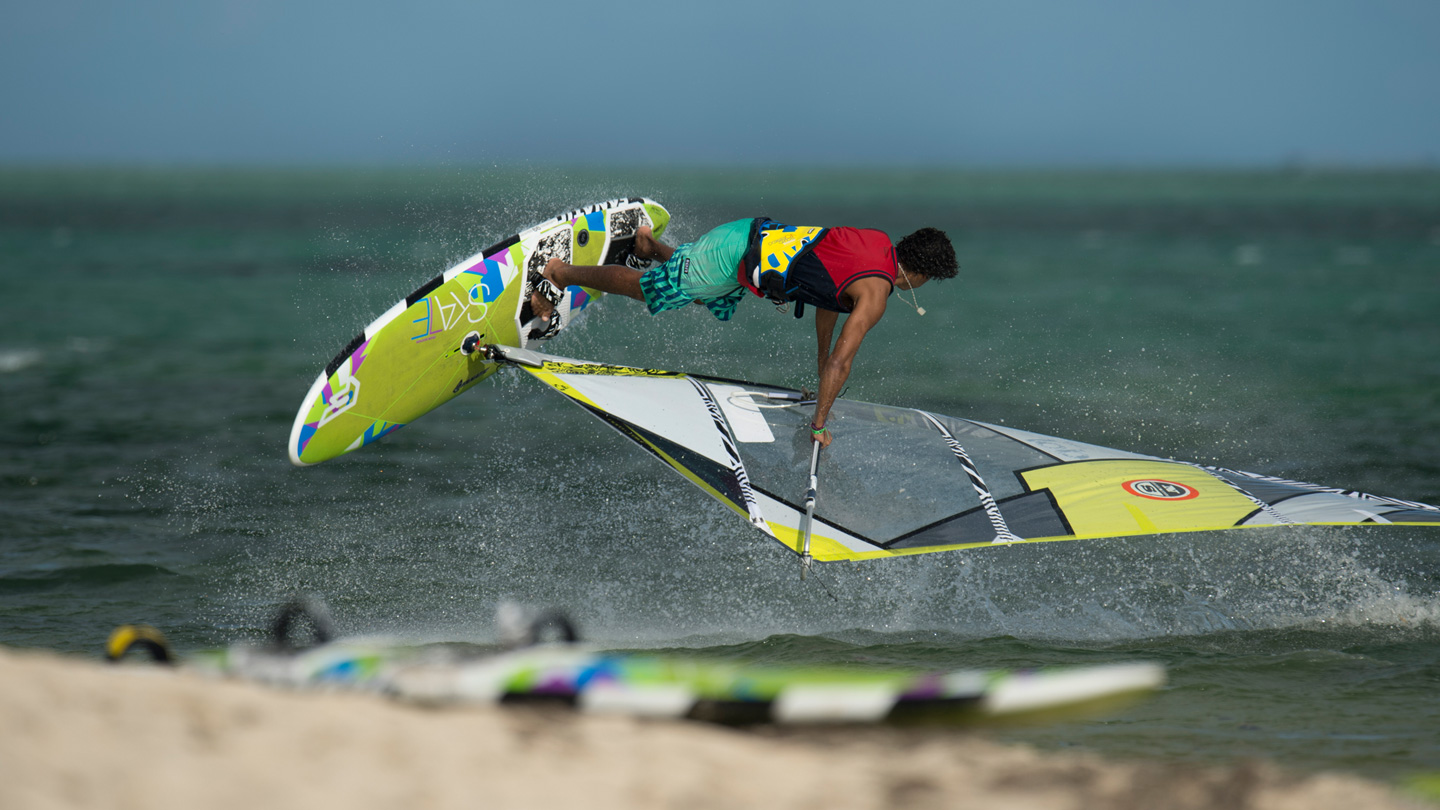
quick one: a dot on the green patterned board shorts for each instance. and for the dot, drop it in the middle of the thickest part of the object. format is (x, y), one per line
(704, 271)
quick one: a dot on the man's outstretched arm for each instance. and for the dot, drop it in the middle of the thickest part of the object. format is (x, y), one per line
(869, 307)
(824, 336)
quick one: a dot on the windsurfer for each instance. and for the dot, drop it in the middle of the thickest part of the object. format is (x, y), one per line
(836, 270)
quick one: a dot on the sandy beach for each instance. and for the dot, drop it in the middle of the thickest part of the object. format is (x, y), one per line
(81, 734)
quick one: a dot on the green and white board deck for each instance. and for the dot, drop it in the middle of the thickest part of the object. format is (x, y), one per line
(409, 360)
(677, 686)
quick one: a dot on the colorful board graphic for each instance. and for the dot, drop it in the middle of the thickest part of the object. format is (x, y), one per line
(409, 360)
(663, 686)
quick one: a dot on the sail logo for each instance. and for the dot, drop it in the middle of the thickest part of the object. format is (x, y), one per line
(1160, 490)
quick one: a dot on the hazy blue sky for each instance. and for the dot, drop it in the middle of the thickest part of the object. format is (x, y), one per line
(1008, 82)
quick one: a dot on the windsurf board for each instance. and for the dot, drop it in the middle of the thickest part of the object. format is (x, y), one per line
(413, 358)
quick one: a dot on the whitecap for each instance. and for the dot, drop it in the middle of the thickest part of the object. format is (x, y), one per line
(12, 360)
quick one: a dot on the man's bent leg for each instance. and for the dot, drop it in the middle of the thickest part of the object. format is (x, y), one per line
(610, 278)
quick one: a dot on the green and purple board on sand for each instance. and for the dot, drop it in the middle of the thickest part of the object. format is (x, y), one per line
(409, 361)
(657, 685)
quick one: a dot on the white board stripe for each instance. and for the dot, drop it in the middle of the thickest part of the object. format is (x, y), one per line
(1029, 691)
(658, 700)
(834, 703)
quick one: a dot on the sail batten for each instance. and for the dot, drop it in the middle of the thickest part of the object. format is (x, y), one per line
(987, 500)
(737, 467)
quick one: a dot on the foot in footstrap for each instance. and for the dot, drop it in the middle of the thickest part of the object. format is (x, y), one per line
(546, 289)
(549, 330)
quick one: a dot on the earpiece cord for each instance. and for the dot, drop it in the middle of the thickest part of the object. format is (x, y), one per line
(914, 300)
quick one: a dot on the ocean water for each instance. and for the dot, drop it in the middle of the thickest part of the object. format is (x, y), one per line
(158, 329)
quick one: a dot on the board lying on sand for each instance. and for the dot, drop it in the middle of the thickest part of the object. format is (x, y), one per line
(410, 359)
(654, 685)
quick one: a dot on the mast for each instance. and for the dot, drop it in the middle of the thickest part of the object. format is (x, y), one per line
(805, 559)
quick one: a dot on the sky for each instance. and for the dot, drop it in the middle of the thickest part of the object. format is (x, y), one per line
(968, 83)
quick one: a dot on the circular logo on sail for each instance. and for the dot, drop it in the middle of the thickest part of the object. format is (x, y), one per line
(1160, 490)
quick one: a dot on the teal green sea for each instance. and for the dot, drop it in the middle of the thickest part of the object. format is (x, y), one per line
(158, 329)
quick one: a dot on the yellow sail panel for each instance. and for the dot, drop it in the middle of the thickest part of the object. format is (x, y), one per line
(544, 375)
(822, 548)
(1128, 496)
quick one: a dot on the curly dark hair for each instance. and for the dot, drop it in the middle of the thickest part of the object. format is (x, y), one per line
(928, 252)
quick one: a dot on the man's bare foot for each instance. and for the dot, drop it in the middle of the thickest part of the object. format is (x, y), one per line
(541, 306)
(645, 245)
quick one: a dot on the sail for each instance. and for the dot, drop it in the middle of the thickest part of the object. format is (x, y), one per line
(903, 481)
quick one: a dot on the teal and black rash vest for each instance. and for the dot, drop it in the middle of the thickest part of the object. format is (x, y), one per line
(813, 265)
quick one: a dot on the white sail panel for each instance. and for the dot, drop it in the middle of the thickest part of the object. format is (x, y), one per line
(1062, 449)
(744, 412)
(666, 406)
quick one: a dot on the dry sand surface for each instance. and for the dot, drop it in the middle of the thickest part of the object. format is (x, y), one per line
(82, 734)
